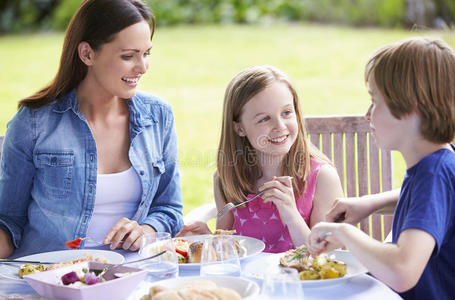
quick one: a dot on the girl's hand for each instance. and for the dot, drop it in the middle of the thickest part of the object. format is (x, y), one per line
(196, 228)
(281, 193)
(323, 238)
(127, 234)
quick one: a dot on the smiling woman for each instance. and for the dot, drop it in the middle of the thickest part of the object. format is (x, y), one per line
(88, 155)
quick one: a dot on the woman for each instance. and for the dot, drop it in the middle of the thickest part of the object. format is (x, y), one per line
(87, 155)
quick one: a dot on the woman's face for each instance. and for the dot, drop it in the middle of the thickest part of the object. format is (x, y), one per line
(269, 121)
(118, 65)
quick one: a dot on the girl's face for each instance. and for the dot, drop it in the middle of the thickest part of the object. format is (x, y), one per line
(388, 131)
(269, 121)
(118, 65)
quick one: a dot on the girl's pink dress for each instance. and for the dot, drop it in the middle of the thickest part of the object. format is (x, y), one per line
(262, 221)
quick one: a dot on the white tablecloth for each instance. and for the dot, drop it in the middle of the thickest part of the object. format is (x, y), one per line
(356, 288)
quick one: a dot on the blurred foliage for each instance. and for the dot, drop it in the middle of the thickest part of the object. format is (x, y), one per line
(26, 15)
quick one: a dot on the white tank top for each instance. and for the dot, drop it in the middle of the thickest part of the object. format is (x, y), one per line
(117, 195)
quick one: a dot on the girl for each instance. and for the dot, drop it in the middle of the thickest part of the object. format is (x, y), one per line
(87, 155)
(264, 146)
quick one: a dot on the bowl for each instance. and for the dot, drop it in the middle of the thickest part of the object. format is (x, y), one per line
(246, 288)
(48, 283)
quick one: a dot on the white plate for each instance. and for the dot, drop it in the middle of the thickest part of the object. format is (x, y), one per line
(257, 268)
(11, 270)
(246, 288)
(252, 246)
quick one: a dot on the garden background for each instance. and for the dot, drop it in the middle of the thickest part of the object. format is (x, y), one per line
(200, 45)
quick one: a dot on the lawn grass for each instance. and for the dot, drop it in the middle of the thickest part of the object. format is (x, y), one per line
(190, 67)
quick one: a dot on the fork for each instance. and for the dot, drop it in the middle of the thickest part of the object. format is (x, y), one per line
(228, 207)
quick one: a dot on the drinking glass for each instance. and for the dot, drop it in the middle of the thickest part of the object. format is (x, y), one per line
(164, 266)
(220, 257)
(281, 283)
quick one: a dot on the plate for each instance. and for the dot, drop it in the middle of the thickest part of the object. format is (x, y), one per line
(246, 288)
(252, 246)
(257, 268)
(11, 270)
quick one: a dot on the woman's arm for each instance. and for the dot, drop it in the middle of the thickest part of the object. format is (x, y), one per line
(6, 245)
(398, 265)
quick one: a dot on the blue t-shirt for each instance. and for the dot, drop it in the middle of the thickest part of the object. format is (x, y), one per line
(426, 203)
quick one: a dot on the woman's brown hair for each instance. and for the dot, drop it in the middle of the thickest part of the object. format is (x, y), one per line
(237, 167)
(96, 22)
(417, 75)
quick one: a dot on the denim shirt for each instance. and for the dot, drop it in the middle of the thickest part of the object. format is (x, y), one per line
(48, 172)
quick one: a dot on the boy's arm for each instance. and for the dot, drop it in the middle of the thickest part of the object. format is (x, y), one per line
(353, 210)
(399, 265)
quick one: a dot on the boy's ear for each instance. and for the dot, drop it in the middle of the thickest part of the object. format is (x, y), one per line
(86, 53)
(239, 129)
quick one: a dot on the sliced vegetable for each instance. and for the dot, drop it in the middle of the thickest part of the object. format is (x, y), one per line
(74, 244)
(69, 278)
(181, 247)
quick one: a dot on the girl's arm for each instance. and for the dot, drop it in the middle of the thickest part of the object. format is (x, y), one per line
(399, 265)
(227, 221)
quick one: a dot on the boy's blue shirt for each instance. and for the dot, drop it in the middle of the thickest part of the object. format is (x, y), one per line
(427, 202)
(48, 172)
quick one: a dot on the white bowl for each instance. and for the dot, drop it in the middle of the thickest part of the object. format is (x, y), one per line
(247, 289)
(48, 283)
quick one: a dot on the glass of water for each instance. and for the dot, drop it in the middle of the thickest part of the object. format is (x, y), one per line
(281, 283)
(164, 266)
(220, 257)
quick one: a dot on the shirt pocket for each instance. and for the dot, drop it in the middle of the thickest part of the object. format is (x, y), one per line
(55, 172)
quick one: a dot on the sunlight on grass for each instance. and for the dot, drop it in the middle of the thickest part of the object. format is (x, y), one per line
(191, 66)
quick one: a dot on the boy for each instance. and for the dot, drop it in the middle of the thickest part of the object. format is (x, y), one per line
(413, 112)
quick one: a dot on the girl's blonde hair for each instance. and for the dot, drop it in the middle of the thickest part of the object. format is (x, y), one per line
(237, 167)
(417, 75)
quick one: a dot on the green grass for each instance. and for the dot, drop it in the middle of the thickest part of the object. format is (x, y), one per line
(191, 66)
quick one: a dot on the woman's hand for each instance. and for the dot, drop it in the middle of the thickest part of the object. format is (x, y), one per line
(279, 190)
(196, 228)
(127, 234)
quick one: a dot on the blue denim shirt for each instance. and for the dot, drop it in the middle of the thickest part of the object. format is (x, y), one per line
(49, 169)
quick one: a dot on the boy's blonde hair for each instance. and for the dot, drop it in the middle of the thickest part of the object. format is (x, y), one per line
(418, 75)
(237, 166)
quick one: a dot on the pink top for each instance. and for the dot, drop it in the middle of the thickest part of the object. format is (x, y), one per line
(262, 221)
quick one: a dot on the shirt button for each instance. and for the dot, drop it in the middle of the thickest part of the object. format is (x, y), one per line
(54, 160)
(141, 173)
(91, 157)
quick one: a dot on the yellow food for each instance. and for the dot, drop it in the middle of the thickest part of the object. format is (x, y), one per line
(29, 269)
(313, 268)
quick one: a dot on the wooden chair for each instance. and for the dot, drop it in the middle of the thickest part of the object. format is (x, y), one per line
(362, 168)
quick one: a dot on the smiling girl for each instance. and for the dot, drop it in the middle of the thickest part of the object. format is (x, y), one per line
(88, 155)
(264, 146)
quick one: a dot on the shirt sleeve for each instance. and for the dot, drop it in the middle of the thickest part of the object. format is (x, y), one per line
(16, 174)
(430, 206)
(165, 213)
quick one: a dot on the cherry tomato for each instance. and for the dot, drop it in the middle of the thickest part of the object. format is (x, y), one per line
(181, 247)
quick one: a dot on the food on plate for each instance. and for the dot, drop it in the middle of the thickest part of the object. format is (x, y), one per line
(30, 268)
(313, 268)
(194, 290)
(83, 277)
(181, 248)
(74, 244)
(225, 232)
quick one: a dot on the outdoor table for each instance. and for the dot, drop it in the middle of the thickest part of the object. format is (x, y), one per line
(359, 287)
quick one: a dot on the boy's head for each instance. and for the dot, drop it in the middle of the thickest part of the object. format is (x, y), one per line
(418, 75)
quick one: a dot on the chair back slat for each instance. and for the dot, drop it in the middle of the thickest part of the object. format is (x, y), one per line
(362, 168)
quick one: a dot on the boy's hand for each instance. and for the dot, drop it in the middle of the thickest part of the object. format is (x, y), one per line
(349, 210)
(322, 238)
(196, 228)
